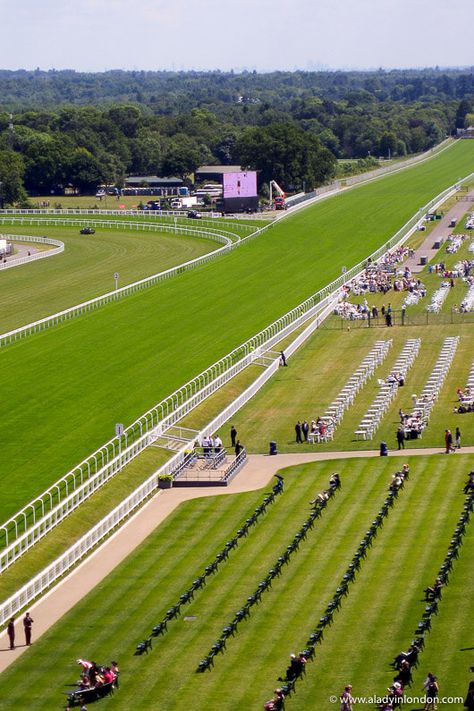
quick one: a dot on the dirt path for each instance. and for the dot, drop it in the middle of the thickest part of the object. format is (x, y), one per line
(255, 475)
(442, 229)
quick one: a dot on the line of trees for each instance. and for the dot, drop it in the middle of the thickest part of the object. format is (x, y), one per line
(88, 129)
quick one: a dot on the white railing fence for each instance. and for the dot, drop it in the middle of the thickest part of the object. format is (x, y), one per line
(15, 262)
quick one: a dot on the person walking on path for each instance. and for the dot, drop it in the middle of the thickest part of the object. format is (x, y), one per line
(11, 632)
(448, 440)
(233, 435)
(457, 438)
(298, 432)
(401, 438)
(27, 624)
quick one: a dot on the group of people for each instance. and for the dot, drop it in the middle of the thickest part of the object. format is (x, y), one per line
(318, 427)
(399, 478)
(27, 627)
(448, 440)
(94, 675)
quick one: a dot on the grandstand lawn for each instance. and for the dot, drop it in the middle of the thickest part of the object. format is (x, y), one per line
(376, 621)
(73, 383)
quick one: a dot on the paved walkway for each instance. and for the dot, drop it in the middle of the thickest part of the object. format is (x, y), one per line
(441, 229)
(255, 475)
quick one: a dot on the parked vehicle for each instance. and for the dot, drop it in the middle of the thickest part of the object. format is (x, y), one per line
(87, 231)
(194, 215)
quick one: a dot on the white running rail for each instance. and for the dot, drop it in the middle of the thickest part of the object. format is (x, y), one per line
(59, 247)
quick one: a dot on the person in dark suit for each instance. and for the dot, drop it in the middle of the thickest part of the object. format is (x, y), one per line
(401, 438)
(27, 624)
(233, 435)
(305, 430)
(238, 447)
(298, 432)
(11, 632)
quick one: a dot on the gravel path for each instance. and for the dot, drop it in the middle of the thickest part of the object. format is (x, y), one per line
(255, 475)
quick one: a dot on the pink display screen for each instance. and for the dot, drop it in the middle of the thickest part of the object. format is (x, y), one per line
(240, 184)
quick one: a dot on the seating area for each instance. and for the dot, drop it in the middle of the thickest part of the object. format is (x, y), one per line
(413, 424)
(438, 298)
(454, 243)
(467, 304)
(356, 382)
(466, 397)
(319, 504)
(316, 636)
(406, 661)
(175, 610)
(96, 681)
(388, 390)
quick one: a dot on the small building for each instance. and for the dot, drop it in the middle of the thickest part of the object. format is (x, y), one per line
(214, 172)
(153, 185)
(465, 132)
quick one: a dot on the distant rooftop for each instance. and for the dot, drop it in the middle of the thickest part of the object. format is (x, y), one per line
(152, 180)
(217, 169)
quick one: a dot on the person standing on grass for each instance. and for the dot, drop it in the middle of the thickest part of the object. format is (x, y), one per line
(401, 438)
(431, 688)
(27, 624)
(298, 432)
(233, 436)
(11, 632)
(457, 438)
(469, 701)
(346, 699)
(305, 430)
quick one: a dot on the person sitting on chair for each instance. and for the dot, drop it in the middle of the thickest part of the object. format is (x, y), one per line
(434, 592)
(335, 481)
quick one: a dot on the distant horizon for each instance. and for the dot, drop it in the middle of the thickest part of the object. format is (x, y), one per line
(186, 35)
(246, 70)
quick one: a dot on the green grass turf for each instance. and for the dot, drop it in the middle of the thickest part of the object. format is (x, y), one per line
(375, 622)
(86, 268)
(74, 382)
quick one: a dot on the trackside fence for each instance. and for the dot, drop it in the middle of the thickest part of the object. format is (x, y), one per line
(56, 243)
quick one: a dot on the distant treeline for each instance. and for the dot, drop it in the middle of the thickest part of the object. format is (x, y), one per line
(87, 129)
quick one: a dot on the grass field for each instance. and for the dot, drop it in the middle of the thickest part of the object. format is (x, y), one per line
(68, 389)
(86, 268)
(376, 620)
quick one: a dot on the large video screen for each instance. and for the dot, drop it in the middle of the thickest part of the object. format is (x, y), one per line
(238, 185)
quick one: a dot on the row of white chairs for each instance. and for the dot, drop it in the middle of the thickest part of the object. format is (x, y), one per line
(425, 402)
(388, 390)
(366, 369)
(438, 298)
(467, 304)
(470, 379)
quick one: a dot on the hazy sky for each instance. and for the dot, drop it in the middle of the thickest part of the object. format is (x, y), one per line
(96, 35)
